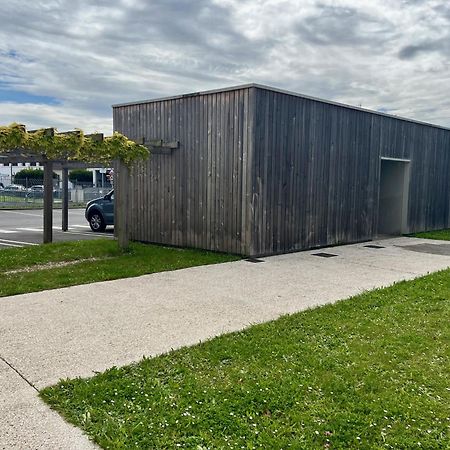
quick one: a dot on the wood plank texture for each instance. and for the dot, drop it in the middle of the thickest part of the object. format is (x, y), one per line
(335, 153)
(193, 195)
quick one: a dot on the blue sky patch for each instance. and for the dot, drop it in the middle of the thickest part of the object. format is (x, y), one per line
(12, 95)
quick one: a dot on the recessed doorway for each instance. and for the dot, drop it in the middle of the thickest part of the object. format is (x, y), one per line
(393, 200)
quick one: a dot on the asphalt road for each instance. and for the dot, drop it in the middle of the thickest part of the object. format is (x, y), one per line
(25, 227)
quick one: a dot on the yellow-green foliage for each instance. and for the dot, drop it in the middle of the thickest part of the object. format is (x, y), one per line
(12, 136)
(72, 146)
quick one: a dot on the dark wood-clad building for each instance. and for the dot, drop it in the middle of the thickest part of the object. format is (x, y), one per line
(257, 171)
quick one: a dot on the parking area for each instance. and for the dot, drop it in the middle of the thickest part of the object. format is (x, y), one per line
(19, 228)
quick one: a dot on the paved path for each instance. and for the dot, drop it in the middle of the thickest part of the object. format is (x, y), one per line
(76, 331)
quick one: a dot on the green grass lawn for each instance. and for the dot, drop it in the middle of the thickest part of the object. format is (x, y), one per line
(8, 201)
(111, 263)
(368, 372)
(443, 235)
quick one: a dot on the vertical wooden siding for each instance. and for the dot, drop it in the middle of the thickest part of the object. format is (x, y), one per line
(261, 172)
(197, 196)
(316, 171)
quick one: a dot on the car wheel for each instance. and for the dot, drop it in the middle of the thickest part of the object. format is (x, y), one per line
(96, 222)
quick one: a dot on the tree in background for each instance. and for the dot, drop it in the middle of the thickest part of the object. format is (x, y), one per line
(80, 176)
(31, 177)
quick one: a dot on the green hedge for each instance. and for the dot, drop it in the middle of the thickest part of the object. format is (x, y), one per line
(31, 177)
(80, 176)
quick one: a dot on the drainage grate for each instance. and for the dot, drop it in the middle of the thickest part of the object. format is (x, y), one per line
(324, 255)
(374, 246)
(254, 260)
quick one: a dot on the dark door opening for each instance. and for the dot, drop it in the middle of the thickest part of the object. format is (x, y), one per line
(393, 204)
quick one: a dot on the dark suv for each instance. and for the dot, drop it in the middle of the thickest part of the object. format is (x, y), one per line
(100, 212)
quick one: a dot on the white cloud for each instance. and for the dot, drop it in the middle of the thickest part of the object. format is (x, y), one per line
(59, 116)
(378, 53)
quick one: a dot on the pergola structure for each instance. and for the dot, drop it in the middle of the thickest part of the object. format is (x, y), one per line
(23, 155)
(74, 150)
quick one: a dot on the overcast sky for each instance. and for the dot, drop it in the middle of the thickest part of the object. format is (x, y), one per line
(63, 63)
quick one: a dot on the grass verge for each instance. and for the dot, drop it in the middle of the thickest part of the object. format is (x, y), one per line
(442, 235)
(368, 372)
(18, 205)
(110, 263)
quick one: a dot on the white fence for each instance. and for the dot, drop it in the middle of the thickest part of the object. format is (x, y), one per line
(84, 195)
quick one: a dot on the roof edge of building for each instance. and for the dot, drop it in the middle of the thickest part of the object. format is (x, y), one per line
(280, 91)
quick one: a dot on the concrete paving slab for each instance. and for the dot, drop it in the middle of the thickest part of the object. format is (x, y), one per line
(27, 423)
(82, 329)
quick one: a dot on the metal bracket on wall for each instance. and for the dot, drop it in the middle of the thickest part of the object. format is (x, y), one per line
(158, 146)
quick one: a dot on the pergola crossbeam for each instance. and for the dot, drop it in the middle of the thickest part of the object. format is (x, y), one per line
(97, 137)
(159, 145)
(48, 132)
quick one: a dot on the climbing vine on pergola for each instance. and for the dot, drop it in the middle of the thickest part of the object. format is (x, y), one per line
(72, 145)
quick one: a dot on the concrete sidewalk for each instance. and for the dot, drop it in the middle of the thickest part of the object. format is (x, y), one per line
(79, 330)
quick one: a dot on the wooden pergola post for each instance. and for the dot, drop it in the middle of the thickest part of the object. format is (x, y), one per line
(121, 205)
(65, 199)
(48, 201)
